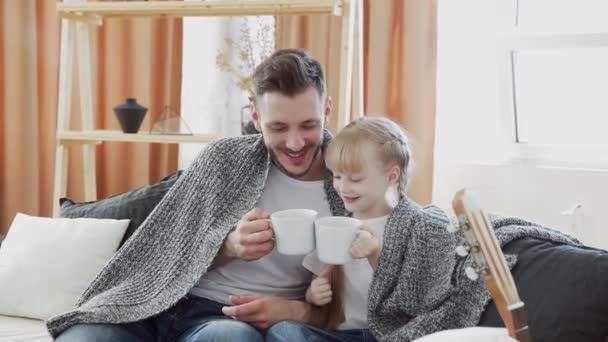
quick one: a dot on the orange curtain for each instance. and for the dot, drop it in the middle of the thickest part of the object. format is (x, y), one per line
(133, 58)
(399, 51)
(139, 58)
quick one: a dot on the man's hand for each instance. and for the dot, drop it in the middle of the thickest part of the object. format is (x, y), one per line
(319, 293)
(263, 311)
(251, 240)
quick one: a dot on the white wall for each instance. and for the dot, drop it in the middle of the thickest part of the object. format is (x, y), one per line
(470, 148)
(210, 99)
(535, 193)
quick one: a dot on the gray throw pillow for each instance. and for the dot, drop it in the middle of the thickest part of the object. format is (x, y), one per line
(564, 289)
(135, 205)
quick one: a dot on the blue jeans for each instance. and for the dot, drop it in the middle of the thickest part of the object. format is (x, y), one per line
(192, 319)
(288, 331)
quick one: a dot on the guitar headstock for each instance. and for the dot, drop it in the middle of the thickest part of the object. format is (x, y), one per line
(472, 245)
(490, 262)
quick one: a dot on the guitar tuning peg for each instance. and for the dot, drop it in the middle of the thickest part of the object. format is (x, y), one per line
(471, 273)
(463, 251)
(452, 228)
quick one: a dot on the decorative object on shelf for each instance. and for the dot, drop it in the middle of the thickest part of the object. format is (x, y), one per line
(130, 115)
(254, 43)
(243, 51)
(170, 122)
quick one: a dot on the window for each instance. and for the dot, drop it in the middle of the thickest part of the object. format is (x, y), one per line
(553, 79)
(561, 94)
(212, 99)
(561, 16)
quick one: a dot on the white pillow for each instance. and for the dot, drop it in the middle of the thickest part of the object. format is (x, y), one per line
(472, 334)
(46, 263)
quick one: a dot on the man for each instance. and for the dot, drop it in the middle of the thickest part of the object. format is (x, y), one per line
(203, 266)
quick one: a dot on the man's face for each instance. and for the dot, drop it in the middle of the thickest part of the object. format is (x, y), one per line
(292, 128)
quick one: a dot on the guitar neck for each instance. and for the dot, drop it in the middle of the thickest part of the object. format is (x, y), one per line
(514, 316)
(519, 329)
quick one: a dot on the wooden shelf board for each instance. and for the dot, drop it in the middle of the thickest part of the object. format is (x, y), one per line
(67, 137)
(88, 10)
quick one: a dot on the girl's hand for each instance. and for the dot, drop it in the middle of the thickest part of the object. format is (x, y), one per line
(366, 244)
(319, 292)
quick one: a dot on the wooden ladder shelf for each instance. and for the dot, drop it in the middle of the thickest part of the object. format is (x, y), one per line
(79, 18)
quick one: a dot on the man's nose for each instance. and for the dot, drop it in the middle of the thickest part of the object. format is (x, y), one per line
(295, 142)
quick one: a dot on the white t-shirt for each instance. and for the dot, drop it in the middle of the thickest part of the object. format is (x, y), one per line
(274, 274)
(357, 279)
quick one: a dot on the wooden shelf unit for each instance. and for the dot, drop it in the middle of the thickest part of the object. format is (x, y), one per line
(80, 17)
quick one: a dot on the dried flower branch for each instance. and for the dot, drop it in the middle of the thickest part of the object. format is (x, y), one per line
(240, 57)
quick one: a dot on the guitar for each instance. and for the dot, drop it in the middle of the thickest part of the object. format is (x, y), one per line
(490, 263)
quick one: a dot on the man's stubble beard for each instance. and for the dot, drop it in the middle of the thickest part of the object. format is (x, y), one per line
(277, 163)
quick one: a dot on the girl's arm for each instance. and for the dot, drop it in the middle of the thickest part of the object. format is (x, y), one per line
(319, 292)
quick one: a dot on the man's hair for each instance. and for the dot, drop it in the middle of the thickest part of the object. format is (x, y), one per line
(289, 72)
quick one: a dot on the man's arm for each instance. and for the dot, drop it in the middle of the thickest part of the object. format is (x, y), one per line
(301, 311)
(225, 255)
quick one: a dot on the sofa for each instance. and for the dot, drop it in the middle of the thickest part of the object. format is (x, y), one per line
(564, 288)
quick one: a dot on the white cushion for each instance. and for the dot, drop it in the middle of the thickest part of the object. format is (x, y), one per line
(473, 334)
(23, 329)
(45, 263)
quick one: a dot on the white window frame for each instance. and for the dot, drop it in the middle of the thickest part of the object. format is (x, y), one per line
(511, 40)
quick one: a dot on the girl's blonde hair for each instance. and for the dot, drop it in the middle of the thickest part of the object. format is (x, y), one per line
(334, 311)
(347, 152)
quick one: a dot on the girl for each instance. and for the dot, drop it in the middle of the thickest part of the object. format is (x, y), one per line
(370, 161)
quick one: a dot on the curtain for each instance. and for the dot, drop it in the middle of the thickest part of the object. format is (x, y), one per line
(133, 58)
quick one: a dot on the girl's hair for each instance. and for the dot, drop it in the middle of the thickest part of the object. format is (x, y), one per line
(347, 151)
(334, 310)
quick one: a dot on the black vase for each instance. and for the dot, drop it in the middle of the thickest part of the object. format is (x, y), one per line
(130, 115)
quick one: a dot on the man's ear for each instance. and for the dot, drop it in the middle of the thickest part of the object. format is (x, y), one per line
(327, 108)
(255, 117)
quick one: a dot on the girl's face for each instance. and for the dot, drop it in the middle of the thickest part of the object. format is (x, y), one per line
(364, 192)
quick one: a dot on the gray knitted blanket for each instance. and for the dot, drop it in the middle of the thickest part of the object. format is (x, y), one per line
(178, 241)
(418, 288)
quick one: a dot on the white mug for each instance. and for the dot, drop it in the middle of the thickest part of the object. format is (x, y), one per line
(294, 231)
(335, 234)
